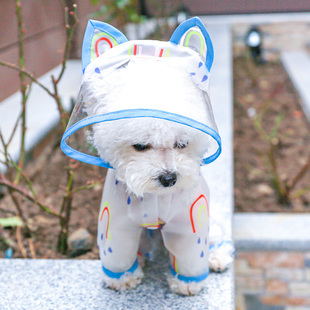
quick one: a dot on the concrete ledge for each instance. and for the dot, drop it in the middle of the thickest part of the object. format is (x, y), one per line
(77, 284)
(297, 65)
(272, 231)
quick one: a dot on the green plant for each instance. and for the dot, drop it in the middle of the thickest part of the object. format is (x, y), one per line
(117, 12)
(15, 171)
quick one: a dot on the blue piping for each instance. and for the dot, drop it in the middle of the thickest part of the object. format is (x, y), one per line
(118, 275)
(131, 114)
(189, 279)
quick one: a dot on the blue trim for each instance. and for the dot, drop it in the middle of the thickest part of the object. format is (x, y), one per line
(189, 279)
(195, 22)
(89, 34)
(118, 275)
(129, 114)
(212, 246)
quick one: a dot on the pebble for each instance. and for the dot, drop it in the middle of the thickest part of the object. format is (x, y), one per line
(80, 242)
(264, 189)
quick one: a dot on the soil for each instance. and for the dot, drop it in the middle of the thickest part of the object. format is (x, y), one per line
(48, 174)
(257, 89)
(268, 114)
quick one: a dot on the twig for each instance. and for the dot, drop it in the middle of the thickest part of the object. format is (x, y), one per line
(27, 74)
(84, 187)
(23, 85)
(18, 208)
(32, 248)
(27, 180)
(19, 241)
(21, 191)
(65, 214)
(299, 175)
(71, 23)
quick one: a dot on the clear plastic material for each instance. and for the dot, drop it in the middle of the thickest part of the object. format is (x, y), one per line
(120, 89)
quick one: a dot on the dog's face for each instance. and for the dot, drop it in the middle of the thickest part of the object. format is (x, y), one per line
(149, 155)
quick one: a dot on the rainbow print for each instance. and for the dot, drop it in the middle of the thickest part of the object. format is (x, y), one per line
(101, 37)
(199, 212)
(160, 52)
(137, 50)
(106, 213)
(175, 264)
(153, 225)
(194, 32)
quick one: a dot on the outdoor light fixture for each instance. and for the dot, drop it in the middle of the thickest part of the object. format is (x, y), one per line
(254, 42)
(182, 14)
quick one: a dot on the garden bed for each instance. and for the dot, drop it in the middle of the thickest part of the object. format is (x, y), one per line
(271, 139)
(46, 169)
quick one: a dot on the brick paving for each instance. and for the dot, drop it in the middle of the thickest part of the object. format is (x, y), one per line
(278, 279)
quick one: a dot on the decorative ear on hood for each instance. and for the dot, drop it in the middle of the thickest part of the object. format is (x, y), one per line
(100, 37)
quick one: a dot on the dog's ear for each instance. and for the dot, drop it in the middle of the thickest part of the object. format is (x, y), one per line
(98, 38)
(193, 34)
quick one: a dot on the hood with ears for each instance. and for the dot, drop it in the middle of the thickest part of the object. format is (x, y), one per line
(105, 50)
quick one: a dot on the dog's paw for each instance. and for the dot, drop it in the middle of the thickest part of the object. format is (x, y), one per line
(221, 256)
(185, 288)
(126, 281)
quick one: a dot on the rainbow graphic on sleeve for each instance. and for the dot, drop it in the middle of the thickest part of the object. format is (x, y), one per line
(199, 213)
(175, 264)
(106, 213)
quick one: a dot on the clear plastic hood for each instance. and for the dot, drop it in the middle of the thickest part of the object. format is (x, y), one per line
(128, 85)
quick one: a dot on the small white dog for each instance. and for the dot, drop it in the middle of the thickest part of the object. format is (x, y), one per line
(156, 143)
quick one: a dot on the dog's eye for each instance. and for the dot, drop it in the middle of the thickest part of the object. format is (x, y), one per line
(141, 147)
(181, 145)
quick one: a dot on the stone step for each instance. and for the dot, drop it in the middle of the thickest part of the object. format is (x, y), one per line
(297, 65)
(271, 231)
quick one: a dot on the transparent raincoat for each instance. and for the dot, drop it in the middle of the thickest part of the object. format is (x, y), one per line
(123, 216)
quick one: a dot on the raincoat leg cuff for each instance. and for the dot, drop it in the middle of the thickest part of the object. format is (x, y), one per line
(118, 275)
(189, 279)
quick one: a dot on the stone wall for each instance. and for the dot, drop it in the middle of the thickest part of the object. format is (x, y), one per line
(44, 25)
(272, 279)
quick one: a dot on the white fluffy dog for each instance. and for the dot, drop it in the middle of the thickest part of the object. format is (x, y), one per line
(156, 182)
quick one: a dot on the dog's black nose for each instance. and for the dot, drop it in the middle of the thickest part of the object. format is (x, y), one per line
(168, 179)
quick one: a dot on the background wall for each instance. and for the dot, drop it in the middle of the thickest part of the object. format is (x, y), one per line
(45, 32)
(44, 24)
(208, 7)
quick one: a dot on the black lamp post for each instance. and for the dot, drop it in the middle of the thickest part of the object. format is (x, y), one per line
(254, 43)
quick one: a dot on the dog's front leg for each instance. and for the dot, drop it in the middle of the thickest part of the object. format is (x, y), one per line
(118, 252)
(118, 239)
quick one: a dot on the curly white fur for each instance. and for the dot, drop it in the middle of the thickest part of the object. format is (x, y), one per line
(183, 288)
(127, 281)
(142, 84)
